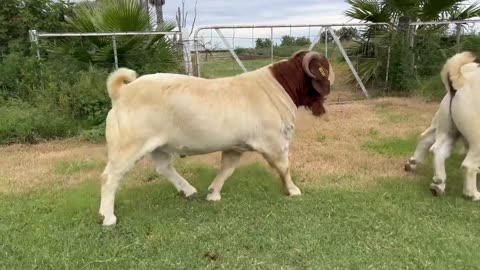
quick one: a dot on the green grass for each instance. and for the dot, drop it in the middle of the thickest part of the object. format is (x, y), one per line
(321, 138)
(396, 224)
(225, 68)
(392, 146)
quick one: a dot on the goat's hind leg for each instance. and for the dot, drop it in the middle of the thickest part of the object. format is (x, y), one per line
(164, 166)
(120, 162)
(442, 148)
(427, 139)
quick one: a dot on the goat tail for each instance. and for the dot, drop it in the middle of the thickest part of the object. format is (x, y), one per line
(454, 70)
(116, 79)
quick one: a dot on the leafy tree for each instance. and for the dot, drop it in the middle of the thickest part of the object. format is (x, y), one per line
(347, 33)
(263, 43)
(287, 41)
(302, 41)
(292, 41)
(19, 16)
(323, 35)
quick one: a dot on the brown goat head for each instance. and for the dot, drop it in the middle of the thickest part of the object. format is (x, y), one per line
(306, 77)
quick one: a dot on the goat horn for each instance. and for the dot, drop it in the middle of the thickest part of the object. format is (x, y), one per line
(306, 61)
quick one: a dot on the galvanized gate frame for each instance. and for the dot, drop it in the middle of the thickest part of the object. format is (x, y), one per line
(326, 28)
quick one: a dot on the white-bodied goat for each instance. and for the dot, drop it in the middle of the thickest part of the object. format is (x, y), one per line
(170, 115)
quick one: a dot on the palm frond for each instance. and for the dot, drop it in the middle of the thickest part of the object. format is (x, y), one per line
(117, 16)
(464, 13)
(433, 9)
(368, 11)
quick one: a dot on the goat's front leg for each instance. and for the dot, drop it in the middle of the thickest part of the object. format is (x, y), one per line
(230, 160)
(280, 163)
(471, 165)
(470, 184)
(441, 150)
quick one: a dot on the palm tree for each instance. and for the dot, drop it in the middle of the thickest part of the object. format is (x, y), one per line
(138, 52)
(376, 40)
(158, 4)
(390, 11)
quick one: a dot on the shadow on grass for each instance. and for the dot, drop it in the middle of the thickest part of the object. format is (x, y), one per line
(394, 225)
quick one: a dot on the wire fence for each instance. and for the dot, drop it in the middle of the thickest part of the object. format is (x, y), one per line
(152, 51)
(433, 42)
(229, 50)
(365, 56)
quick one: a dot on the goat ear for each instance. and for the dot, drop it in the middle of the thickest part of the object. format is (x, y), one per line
(318, 70)
(316, 66)
(322, 86)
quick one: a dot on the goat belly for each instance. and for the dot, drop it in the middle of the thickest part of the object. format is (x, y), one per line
(191, 150)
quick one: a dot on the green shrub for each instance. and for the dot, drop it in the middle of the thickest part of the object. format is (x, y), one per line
(94, 135)
(22, 123)
(431, 88)
(85, 99)
(401, 79)
(19, 76)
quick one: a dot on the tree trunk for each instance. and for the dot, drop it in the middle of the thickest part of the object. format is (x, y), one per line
(159, 12)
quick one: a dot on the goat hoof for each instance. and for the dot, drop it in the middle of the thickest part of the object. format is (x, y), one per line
(100, 219)
(410, 165)
(189, 197)
(436, 190)
(192, 196)
(110, 221)
(472, 197)
(292, 192)
(213, 197)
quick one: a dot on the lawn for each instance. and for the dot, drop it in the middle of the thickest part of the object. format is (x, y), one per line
(396, 225)
(359, 209)
(224, 68)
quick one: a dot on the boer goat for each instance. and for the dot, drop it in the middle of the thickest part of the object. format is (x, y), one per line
(171, 115)
(461, 77)
(439, 138)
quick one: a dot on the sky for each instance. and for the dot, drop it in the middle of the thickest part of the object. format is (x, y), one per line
(221, 12)
(256, 12)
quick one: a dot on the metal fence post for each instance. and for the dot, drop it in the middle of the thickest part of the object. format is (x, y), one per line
(388, 64)
(115, 55)
(271, 45)
(326, 42)
(34, 39)
(197, 56)
(349, 63)
(232, 51)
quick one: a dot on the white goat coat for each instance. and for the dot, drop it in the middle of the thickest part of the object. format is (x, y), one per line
(466, 112)
(185, 115)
